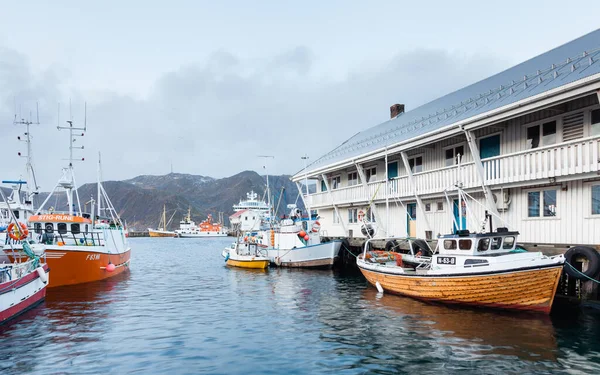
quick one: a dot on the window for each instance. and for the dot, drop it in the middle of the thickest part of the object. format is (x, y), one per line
(246, 218)
(336, 217)
(596, 200)
(595, 122)
(62, 228)
(548, 135)
(37, 227)
(352, 215)
(428, 207)
(416, 164)
(452, 155)
(449, 244)
(392, 170)
(371, 174)
(440, 206)
(352, 178)
(86, 228)
(483, 244)
(541, 201)
(16, 214)
(465, 244)
(509, 242)
(323, 186)
(49, 228)
(335, 182)
(75, 229)
(496, 242)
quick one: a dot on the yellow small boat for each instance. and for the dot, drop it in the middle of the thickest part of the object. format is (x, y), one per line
(245, 255)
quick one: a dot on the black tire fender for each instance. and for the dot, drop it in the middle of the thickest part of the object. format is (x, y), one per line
(421, 245)
(587, 252)
(391, 245)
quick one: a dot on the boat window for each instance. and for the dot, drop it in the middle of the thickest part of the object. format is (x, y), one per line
(465, 244)
(16, 214)
(483, 244)
(37, 227)
(49, 228)
(496, 242)
(449, 244)
(61, 228)
(75, 228)
(508, 242)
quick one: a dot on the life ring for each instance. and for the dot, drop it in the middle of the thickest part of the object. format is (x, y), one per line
(316, 227)
(17, 233)
(586, 252)
(361, 215)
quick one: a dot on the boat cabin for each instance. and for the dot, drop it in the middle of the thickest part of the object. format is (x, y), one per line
(64, 229)
(490, 243)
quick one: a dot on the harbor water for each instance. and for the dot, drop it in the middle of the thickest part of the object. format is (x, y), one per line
(180, 310)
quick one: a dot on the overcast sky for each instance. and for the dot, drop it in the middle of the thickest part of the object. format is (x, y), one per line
(209, 85)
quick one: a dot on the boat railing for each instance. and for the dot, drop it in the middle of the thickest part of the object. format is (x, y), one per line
(61, 238)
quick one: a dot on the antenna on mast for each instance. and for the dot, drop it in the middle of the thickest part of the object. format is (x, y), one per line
(27, 140)
(267, 173)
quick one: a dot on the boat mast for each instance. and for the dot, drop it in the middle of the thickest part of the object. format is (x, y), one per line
(305, 158)
(29, 165)
(98, 186)
(68, 179)
(268, 191)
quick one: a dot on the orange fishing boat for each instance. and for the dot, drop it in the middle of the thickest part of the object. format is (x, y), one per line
(77, 248)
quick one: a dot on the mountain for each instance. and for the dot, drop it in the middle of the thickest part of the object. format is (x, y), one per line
(140, 200)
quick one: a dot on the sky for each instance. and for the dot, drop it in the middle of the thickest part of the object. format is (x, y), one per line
(206, 87)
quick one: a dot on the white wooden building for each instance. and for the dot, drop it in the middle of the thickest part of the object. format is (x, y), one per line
(529, 140)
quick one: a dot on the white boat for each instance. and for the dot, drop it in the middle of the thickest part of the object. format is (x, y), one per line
(189, 229)
(297, 243)
(22, 283)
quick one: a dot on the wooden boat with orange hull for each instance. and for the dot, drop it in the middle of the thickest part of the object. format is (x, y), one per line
(531, 290)
(477, 269)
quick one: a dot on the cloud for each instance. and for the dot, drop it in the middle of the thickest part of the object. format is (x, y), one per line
(215, 116)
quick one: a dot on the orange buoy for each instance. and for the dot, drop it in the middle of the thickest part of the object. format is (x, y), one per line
(302, 233)
(306, 237)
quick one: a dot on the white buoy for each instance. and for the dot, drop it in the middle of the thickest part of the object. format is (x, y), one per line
(378, 286)
(42, 274)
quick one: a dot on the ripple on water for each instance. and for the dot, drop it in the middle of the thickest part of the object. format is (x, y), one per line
(181, 311)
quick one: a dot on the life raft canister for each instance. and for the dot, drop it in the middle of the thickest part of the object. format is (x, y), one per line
(17, 233)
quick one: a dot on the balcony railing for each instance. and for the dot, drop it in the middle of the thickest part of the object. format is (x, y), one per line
(568, 158)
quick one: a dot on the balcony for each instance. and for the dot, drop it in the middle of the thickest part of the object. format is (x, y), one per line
(564, 160)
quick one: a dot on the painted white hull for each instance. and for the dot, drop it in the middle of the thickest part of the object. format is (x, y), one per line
(200, 234)
(19, 295)
(318, 256)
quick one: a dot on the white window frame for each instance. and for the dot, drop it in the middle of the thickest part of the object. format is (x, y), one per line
(540, 123)
(370, 177)
(428, 204)
(453, 147)
(541, 191)
(353, 216)
(589, 120)
(336, 219)
(588, 201)
(354, 181)
(339, 182)
(437, 207)
(500, 133)
(414, 157)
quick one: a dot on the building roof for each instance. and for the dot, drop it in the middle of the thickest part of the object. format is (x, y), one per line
(238, 213)
(568, 63)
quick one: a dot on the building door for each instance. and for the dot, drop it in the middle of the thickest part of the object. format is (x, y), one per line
(489, 146)
(392, 170)
(462, 222)
(411, 219)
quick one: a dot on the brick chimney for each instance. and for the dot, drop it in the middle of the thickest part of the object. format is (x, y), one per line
(396, 109)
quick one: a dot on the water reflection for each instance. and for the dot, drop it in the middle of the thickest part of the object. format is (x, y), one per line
(523, 335)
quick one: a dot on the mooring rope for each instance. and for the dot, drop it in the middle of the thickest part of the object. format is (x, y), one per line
(578, 271)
